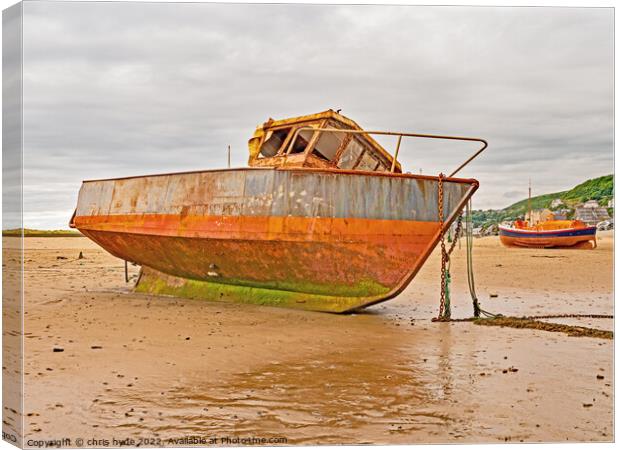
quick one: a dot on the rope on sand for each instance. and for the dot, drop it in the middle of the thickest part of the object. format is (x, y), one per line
(526, 322)
(532, 323)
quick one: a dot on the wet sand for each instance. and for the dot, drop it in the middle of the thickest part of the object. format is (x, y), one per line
(161, 369)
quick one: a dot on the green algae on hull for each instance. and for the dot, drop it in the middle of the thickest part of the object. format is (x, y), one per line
(363, 288)
(154, 282)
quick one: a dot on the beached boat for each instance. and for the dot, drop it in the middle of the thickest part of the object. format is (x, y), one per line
(548, 234)
(542, 231)
(323, 219)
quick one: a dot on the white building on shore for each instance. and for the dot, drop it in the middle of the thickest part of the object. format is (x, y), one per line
(591, 213)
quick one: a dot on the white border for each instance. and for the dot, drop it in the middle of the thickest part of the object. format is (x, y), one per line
(548, 3)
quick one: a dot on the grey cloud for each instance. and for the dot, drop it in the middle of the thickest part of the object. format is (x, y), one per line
(114, 89)
(514, 194)
(11, 119)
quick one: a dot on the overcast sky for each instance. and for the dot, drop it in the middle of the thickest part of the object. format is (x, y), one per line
(116, 89)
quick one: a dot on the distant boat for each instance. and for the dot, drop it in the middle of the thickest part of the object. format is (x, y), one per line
(552, 233)
(547, 233)
(324, 219)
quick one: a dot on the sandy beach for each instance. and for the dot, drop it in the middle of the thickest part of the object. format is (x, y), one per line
(103, 363)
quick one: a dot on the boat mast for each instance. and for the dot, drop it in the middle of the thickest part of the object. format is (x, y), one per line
(529, 202)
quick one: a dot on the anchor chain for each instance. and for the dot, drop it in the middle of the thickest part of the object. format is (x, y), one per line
(444, 303)
(442, 298)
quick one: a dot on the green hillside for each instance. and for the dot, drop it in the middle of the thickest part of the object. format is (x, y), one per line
(600, 189)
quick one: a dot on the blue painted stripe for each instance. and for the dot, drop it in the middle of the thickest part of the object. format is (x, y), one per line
(567, 233)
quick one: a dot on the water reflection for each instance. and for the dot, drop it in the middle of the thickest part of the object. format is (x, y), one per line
(378, 391)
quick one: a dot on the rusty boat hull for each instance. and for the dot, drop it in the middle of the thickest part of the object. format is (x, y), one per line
(316, 239)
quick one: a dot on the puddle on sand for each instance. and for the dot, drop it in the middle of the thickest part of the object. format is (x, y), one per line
(347, 396)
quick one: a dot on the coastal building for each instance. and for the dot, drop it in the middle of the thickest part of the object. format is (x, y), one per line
(591, 214)
(556, 203)
(560, 215)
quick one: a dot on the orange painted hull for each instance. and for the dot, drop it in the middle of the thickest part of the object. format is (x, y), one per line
(269, 252)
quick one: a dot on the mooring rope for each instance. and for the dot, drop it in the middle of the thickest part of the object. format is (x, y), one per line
(469, 238)
(569, 316)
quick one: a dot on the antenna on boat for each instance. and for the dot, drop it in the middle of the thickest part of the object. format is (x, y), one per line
(529, 202)
(229, 156)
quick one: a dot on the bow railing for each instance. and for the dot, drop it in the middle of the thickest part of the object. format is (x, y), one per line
(400, 137)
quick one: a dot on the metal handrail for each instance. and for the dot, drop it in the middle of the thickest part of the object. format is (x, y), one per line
(400, 136)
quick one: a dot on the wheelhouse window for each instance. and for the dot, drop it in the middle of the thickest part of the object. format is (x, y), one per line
(273, 142)
(350, 154)
(301, 142)
(367, 162)
(328, 144)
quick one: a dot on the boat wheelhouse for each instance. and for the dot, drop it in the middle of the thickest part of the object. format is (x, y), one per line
(295, 142)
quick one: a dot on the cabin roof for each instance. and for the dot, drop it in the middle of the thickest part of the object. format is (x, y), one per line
(329, 114)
